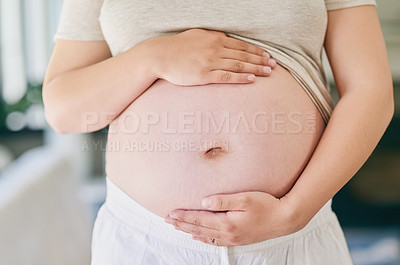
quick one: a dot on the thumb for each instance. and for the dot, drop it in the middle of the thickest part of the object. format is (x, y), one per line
(226, 202)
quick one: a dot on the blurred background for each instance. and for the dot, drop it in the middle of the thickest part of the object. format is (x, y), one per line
(51, 186)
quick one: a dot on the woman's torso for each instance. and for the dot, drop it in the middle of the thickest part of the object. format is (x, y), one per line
(163, 169)
(258, 136)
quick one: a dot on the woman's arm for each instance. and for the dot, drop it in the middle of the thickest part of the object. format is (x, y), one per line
(85, 88)
(357, 53)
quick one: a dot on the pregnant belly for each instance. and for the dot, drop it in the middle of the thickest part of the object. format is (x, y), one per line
(175, 145)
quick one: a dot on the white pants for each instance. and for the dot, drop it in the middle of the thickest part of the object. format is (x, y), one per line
(126, 233)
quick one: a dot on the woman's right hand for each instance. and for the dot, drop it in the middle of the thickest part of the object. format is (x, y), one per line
(199, 57)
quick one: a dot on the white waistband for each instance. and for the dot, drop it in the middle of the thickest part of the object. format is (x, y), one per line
(134, 215)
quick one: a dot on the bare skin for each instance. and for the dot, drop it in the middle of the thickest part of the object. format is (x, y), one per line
(83, 79)
(366, 98)
(366, 90)
(165, 165)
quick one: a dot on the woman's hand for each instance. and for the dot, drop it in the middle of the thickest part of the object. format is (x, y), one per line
(199, 57)
(238, 219)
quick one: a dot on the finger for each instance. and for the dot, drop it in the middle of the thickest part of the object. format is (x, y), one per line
(241, 67)
(212, 241)
(236, 44)
(200, 218)
(245, 57)
(227, 202)
(221, 76)
(196, 230)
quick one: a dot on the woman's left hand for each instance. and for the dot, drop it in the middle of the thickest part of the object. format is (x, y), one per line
(237, 219)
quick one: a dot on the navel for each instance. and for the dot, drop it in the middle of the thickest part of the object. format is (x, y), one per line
(214, 153)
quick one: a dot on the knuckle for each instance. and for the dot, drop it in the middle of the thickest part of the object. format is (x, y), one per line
(217, 202)
(215, 40)
(208, 61)
(208, 57)
(225, 77)
(196, 221)
(218, 36)
(174, 222)
(243, 45)
(202, 71)
(176, 225)
(233, 239)
(238, 66)
(245, 58)
(195, 230)
(245, 200)
(214, 50)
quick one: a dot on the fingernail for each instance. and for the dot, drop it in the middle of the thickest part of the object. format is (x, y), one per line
(267, 70)
(266, 54)
(271, 63)
(206, 203)
(251, 77)
(168, 220)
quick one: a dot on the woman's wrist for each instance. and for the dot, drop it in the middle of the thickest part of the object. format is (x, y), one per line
(153, 56)
(144, 58)
(297, 213)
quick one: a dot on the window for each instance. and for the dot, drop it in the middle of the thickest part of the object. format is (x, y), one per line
(26, 39)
